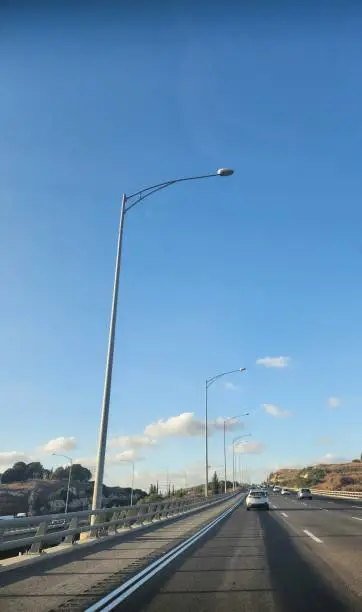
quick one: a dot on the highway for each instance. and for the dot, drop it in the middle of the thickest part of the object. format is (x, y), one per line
(300, 556)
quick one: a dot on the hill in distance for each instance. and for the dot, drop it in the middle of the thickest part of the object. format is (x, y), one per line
(329, 477)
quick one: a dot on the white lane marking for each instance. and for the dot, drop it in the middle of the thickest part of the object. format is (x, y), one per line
(359, 507)
(113, 599)
(311, 535)
(329, 502)
(325, 509)
(284, 514)
(357, 518)
(273, 506)
(304, 504)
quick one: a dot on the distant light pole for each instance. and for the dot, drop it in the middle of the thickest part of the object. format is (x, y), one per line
(208, 383)
(132, 482)
(69, 477)
(127, 203)
(234, 441)
(225, 421)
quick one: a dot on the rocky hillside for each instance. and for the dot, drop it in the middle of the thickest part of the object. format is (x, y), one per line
(14, 497)
(331, 477)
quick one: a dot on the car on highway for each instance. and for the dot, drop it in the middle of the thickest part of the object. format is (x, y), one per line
(285, 492)
(276, 489)
(257, 499)
(304, 494)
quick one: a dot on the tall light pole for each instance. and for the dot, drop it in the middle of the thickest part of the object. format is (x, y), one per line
(127, 203)
(234, 441)
(225, 421)
(132, 482)
(69, 477)
(208, 383)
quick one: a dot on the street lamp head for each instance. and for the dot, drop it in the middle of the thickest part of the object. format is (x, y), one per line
(242, 369)
(224, 171)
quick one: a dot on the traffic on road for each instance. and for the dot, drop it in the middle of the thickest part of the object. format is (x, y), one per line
(303, 554)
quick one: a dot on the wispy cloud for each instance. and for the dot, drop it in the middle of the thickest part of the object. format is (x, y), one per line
(136, 441)
(334, 402)
(60, 444)
(8, 458)
(229, 386)
(128, 455)
(249, 448)
(331, 458)
(274, 362)
(276, 411)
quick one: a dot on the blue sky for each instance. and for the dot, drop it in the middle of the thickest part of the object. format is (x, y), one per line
(216, 274)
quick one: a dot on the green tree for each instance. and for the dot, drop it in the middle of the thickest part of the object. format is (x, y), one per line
(59, 474)
(15, 474)
(34, 470)
(215, 485)
(150, 498)
(79, 472)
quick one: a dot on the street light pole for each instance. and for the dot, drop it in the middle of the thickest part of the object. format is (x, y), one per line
(234, 441)
(127, 203)
(225, 421)
(69, 478)
(208, 383)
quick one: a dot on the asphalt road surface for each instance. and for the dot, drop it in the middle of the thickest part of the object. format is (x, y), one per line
(300, 556)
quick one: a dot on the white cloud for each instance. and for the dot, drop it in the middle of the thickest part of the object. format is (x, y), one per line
(274, 362)
(128, 455)
(246, 448)
(88, 462)
(333, 402)
(60, 444)
(137, 441)
(186, 425)
(182, 425)
(8, 458)
(276, 411)
(229, 386)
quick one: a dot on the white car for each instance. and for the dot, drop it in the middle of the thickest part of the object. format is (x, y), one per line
(304, 494)
(276, 489)
(285, 492)
(257, 499)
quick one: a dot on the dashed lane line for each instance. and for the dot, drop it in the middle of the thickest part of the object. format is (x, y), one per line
(311, 535)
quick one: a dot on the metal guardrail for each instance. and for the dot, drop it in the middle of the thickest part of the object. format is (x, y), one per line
(109, 521)
(342, 494)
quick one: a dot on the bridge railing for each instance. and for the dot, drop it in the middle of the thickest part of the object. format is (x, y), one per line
(54, 528)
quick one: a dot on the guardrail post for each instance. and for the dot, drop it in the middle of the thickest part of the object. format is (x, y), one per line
(36, 546)
(112, 529)
(70, 539)
(142, 512)
(165, 511)
(157, 512)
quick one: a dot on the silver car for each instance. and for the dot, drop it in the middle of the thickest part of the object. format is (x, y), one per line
(257, 499)
(304, 494)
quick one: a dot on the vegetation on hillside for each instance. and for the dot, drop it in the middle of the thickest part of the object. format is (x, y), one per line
(22, 472)
(331, 477)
